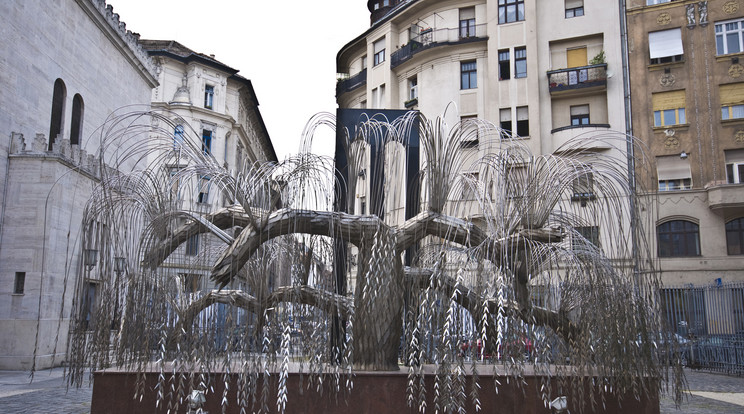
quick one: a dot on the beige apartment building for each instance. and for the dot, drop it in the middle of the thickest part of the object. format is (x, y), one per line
(687, 96)
(544, 71)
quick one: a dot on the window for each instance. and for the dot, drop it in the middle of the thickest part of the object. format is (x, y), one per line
(58, 111)
(583, 186)
(669, 108)
(203, 190)
(76, 128)
(729, 36)
(735, 236)
(673, 173)
(506, 120)
(470, 132)
(678, 238)
(504, 65)
(381, 102)
(579, 115)
(467, 22)
(192, 245)
(574, 8)
(468, 75)
(652, 2)
(379, 50)
(20, 282)
(208, 96)
(206, 141)
(665, 46)
(364, 62)
(734, 166)
(586, 235)
(178, 135)
(191, 282)
(732, 101)
(469, 186)
(520, 62)
(511, 11)
(89, 304)
(413, 88)
(523, 121)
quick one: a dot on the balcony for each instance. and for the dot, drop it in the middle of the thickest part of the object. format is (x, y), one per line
(348, 85)
(430, 38)
(584, 79)
(564, 138)
(723, 196)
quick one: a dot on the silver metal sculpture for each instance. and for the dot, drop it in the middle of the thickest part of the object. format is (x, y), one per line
(502, 260)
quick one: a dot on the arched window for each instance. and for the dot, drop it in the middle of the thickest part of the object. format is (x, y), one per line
(735, 236)
(76, 128)
(678, 238)
(58, 111)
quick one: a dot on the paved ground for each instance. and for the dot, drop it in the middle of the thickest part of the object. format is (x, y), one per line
(709, 393)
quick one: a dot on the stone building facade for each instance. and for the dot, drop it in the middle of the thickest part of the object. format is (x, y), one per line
(67, 65)
(687, 86)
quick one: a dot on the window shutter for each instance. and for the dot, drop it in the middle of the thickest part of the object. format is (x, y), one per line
(732, 94)
(572, 4)
(467, 13)
(576, 57)
(665, 43)
(580, 110)
(668, 100)
(505, 114)
(522, 113)
(734, 155)
(673, 168)
(379, 45)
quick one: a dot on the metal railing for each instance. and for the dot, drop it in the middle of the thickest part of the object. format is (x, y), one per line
(348, 85)
(429, 38)
(576, 78)
(711, 319)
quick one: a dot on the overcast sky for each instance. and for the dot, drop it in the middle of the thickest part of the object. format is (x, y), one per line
(286, 48)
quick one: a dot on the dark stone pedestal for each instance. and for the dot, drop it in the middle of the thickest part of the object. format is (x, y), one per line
(373, 392)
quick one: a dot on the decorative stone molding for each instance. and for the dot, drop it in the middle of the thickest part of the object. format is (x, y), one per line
(739, 136)
(703, 12)
(667, 80)
(690, 12)
(731, 7)
(671, 142)
(61, 149)
(663, 19)
(736, 70)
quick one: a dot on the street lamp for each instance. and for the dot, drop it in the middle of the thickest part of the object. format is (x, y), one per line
(90, 258)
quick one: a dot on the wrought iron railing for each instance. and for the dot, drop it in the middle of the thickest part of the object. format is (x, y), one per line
(348, 85)
(577, 78)
(710, 323)
(429, 38)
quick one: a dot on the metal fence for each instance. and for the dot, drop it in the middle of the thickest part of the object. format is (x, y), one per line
(711, 319)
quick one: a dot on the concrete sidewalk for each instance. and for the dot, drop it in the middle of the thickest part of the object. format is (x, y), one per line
(48, 393)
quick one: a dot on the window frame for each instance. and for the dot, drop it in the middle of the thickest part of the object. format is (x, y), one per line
(379, 55)
(192, 245)
(504, 122)
(737, 233)
(504, 64)
(19, 283)
(516, 5)
(520, 60)
(689, 233)
(467, 25)
(209, 96)
(722, 48)
(523, 125)
(571, 12)
(731, 168)
(207, 140)
(468, 75)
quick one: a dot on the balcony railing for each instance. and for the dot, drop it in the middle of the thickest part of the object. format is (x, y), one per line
(591, 76)
(348, 85)
(429, 38)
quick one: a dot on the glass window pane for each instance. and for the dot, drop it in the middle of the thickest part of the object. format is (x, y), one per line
(521, 68)
(725, 113)
(657, 118)
(682, 119)
(520, 12)
(737, 111)
(732, 43)
(511, 13)
(670, 117)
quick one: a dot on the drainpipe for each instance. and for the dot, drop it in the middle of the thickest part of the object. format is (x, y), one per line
(629, 138)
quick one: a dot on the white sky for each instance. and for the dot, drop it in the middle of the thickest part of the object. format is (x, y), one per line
(286, 48)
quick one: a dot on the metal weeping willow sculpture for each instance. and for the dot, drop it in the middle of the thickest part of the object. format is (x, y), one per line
(504, 255)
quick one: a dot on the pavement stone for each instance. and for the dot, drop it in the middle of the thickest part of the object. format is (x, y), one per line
(48, 393)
